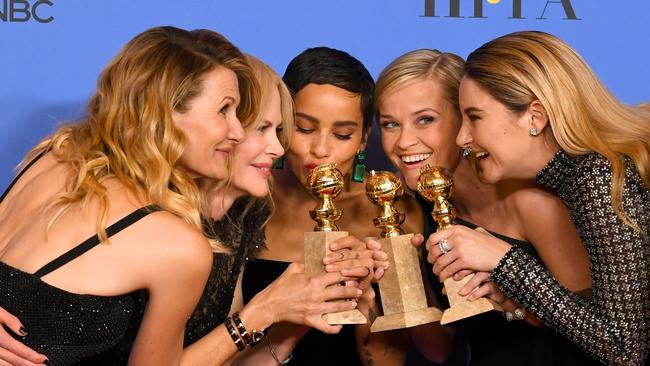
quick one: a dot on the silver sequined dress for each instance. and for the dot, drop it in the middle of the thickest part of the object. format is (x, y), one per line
(614, 324)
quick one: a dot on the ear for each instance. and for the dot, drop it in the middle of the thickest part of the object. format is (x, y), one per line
(538, 116)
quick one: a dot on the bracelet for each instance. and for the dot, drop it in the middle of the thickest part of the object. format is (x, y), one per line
(275, 356)
(234, 335)
(517, 314)
(248, 339)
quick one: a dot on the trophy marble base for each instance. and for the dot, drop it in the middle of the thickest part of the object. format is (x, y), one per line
(316, 248)
(403, 298)
(460, 307)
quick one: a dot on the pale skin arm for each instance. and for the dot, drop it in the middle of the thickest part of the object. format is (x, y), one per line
(293, 297)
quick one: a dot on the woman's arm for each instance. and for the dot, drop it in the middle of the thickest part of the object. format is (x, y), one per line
(294, 297)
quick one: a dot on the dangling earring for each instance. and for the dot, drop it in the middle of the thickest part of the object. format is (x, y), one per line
(359, 168)
(278, 163)
(467, 151)
(533, 131)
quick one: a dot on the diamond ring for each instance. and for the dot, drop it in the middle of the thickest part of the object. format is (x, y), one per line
(443, 245)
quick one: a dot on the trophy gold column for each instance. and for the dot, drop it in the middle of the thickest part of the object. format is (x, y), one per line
(403, 298)
(325, 182)
(436, 185)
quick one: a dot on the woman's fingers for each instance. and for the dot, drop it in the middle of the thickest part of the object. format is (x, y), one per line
(473, 283)
(417, 240)
(12, 350)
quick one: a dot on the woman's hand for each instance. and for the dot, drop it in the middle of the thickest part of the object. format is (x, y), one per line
(351, 257)
(379, 256)
(12, 352)
(474, 250)
(298, 298)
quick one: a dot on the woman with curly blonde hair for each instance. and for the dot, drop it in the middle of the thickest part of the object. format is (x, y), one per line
(534, 110)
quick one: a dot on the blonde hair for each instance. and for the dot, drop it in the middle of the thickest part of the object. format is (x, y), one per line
(422, 64)
(269, 80)
(585, 117)
(128, 132)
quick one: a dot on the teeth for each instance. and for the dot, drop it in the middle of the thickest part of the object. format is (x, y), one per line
(482, 155)
(415, 158)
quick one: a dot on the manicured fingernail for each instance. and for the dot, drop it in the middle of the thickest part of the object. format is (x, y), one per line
(329, 267)
(354, 303)
(359, 292)
(22, 331)
(345, 272)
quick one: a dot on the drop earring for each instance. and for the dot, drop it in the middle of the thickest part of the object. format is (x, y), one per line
(467, 151)
(533, 131)
(278, 163)
(359, 168)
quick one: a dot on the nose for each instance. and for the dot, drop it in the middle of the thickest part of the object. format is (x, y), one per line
(236, 132)
(275, 148)
(407, 138)
(320, 147)
(464, 137)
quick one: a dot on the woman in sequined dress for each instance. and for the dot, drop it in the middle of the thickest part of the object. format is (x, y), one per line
(533, 110)
(419, 119)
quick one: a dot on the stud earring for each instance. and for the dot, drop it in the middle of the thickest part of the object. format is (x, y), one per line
(359, 169)
(278, 163)
(533, 131)
(467, 151)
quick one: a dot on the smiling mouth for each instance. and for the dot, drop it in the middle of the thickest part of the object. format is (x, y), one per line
(414, 159)
(482, 155)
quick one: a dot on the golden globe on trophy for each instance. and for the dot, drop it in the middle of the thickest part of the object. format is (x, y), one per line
(436, 185)
(403, 297)
(325, 182)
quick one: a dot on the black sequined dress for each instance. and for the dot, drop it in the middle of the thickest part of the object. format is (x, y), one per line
(70, 328)
(613, 325)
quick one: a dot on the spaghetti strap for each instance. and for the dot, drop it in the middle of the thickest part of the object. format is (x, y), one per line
(93, 241)
(13, 182)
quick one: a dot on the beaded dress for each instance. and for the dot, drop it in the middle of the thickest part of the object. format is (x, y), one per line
(613, 325)
(69, 328)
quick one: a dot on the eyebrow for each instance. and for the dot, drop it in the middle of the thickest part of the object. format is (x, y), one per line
(472, 109)
(315, 120)
(414, 113)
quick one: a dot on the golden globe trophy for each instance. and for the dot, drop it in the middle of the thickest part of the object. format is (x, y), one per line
(436, 185)
(403, 298)
(325, 182)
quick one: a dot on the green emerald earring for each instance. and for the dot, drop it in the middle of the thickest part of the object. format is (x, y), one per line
(278, 163)
(359, 169)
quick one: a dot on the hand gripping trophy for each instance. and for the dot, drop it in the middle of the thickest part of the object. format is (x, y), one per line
(402, 292)
(325, 182)
(436, 185)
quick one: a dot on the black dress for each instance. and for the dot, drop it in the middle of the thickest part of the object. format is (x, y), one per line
(488, 339)
(315, 348)
(613, 325)
(69, 328)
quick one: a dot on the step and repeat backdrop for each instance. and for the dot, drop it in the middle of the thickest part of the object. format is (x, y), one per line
(51, 51)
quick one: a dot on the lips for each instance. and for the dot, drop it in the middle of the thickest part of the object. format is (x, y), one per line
(263, 168)
(310, 166)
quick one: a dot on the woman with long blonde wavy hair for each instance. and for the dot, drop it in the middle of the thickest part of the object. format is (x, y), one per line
(534, 110)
